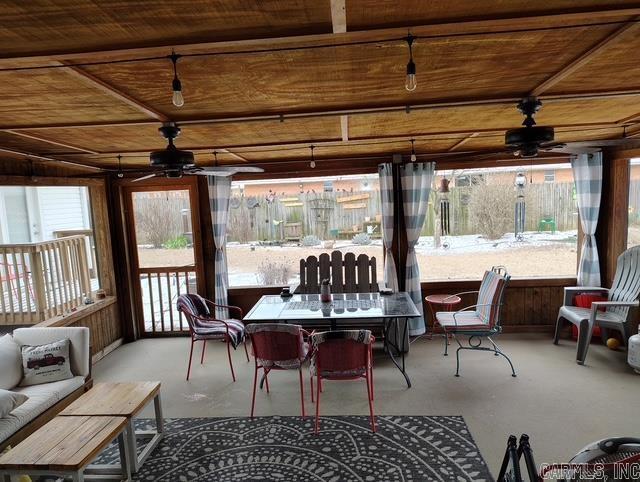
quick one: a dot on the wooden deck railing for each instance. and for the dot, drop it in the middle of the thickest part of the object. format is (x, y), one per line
(41, 280)
(161, 287)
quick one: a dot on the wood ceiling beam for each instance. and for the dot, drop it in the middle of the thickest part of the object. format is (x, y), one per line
(467, 135)
(31, 155)
(114, 92)
(631, 118)
(485, 25)
(585, 57)
(344, 127)
(339, 24)
(347, 110)
(233, 154)
(51, 141)
(463, 141)
(338, 16)
(633, 132)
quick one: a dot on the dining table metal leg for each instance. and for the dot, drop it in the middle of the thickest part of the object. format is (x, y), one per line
(388, 347)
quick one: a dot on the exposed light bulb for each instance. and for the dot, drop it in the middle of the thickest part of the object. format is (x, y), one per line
(176, 85)
(312, 164)
(414, 158)
(178, 98)
(410, 82)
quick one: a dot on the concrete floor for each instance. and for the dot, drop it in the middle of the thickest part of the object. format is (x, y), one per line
(561, 405)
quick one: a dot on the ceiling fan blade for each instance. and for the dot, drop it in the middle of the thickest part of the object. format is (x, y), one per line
(233, 169)
(148, 176)
(212, 173)
(570, 149)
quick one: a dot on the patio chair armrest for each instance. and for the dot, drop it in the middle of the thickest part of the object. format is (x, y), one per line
(229, 307)
(207, 320)
(571, 291)
(614, 303)
(465, 293)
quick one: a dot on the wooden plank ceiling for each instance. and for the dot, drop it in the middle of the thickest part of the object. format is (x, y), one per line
(271, 78)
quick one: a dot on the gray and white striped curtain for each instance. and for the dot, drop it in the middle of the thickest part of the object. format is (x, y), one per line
(416, 181)
(219, 195)
(587, 173)
(386, 197)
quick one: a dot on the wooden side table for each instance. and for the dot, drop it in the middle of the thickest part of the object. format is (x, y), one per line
(65, 447)
(123, 399)
(440, 303)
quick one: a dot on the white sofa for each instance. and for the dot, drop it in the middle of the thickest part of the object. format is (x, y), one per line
(47, 395)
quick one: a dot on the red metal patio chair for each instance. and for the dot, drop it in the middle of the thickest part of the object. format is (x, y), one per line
(342, 355)
(204, 325)
(278, 346)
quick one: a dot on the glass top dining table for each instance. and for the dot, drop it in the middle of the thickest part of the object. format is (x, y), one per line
(376, 309)
(347, 306)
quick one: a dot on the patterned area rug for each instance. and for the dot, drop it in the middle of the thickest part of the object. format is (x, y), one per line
(286, 449)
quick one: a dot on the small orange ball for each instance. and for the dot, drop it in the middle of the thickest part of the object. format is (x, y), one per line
(613, 343)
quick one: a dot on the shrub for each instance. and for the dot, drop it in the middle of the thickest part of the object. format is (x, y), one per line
(361, 239)
(274, 272)
(158, 220)
(310, 240)
(491, 209)
(179, 242)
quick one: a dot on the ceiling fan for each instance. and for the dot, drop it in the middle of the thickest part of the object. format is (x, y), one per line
(531, 140)
(174, 163)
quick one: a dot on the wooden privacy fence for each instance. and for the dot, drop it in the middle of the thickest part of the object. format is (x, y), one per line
(549, 200)
(39, 281)
(320, 214)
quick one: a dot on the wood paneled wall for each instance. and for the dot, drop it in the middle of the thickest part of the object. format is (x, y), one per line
(530, 305)
(103, 320)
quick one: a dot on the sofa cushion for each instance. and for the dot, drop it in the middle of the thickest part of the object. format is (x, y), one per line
(46, 363)
(41, 397)
(79, 336)
(10, 400)
(11, 363)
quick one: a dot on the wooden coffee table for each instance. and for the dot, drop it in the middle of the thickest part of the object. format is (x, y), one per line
(123, 399)
(65, 447)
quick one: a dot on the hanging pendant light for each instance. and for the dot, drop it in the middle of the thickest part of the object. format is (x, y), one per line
(312, 164)
(445, 224)
(176, 85)
(410, 82)
(520, 209)
(120, 174)
(413, 157)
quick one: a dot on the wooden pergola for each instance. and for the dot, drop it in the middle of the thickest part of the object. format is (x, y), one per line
(264, 81)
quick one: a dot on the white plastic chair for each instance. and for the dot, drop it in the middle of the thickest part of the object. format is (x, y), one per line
(622, 295)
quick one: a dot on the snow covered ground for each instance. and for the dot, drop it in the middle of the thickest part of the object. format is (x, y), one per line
(243, 260)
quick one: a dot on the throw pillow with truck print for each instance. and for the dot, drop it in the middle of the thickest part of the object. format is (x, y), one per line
(46, 363)
(584, 301)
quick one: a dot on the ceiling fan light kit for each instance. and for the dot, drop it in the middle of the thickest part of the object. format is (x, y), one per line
(528, 140)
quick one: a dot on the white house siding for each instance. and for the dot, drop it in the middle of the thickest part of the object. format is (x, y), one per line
(61, 208)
